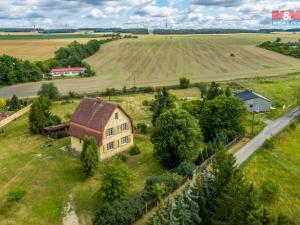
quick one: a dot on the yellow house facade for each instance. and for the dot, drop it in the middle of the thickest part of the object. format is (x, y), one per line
(108, 123)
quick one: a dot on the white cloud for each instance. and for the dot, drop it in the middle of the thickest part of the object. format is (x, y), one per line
(97, 13)
(156, 11)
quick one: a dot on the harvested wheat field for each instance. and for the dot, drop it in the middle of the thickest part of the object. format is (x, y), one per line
(161, 60)
(35, 50)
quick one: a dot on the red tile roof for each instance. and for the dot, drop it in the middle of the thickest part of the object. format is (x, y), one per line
(91, 117)
(69, 69)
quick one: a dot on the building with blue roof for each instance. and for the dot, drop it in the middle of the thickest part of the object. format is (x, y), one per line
(254, 101)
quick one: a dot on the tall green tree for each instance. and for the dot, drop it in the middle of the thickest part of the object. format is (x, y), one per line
(49, 90)
(213, 91)
(89, 156)
(14, 103)
(222, 116)
(228, 91)
(175, 137)
(163, 101)
(203, 89)
(115, 181)
(36, 118)
(184, 83)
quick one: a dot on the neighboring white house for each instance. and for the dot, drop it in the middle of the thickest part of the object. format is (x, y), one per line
(70, 71)
(255, 102)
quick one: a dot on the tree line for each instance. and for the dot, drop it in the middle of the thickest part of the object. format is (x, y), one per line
(221, 195)
(13, 70)
(288, 48)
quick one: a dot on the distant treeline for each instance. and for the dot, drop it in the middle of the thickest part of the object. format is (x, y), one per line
(146, 31)
(289, 48)
(13, 70)
(218, 31)
(119, 30)
(19, 29)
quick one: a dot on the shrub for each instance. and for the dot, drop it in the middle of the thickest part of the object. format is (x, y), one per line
(293, 125)
(186, 169)
(72, 94)
(123, 211)
(170, 180)
(2, 102)
(135, 150)
(115, 181)
(36, 118)
(268, 191)
(175, 137)
(123, 157)
(158, 190)
(142, 128)
(49, 90)
(200, 159)
(232, 55)
(89, 156)
(269, 143)
(62, 134)
(16, 195)
(146, 103)
(52, 120)
(184, 82)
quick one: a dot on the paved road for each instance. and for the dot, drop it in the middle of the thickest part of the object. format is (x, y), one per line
(271, 129)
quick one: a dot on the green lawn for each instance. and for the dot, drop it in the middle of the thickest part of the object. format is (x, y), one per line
(53, 177)
(279, 89)
(282, 165)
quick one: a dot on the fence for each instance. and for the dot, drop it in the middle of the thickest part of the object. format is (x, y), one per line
(14, 116)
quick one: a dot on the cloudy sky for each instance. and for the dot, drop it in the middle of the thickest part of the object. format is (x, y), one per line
(151, 14)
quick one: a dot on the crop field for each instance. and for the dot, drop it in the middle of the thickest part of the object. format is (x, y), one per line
(282, 166)
(160, 60)
(35, 50)
(35, 36)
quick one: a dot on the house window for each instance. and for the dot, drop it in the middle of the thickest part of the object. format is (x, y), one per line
(124, 127)
(110, 145)
(124, 140)
(109, 132)
(116, 116)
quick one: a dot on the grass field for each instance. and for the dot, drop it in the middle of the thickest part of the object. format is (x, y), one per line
(53, 178)
(50, 176)
(35, 50)
(160, 60)
(281, 165)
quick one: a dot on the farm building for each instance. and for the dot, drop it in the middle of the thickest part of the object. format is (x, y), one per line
(255, 102)
(107, 122)
(70, 71)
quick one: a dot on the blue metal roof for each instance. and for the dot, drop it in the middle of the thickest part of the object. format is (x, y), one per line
(247, 95)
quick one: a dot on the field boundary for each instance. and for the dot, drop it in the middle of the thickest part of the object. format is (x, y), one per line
(14, 116)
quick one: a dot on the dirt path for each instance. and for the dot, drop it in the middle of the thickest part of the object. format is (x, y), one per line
(70, 217)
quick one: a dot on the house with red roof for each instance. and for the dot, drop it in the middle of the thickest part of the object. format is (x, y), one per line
(108, 123)
(69, 71)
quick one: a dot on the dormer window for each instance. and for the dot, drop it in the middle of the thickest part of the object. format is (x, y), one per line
(116, 116)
